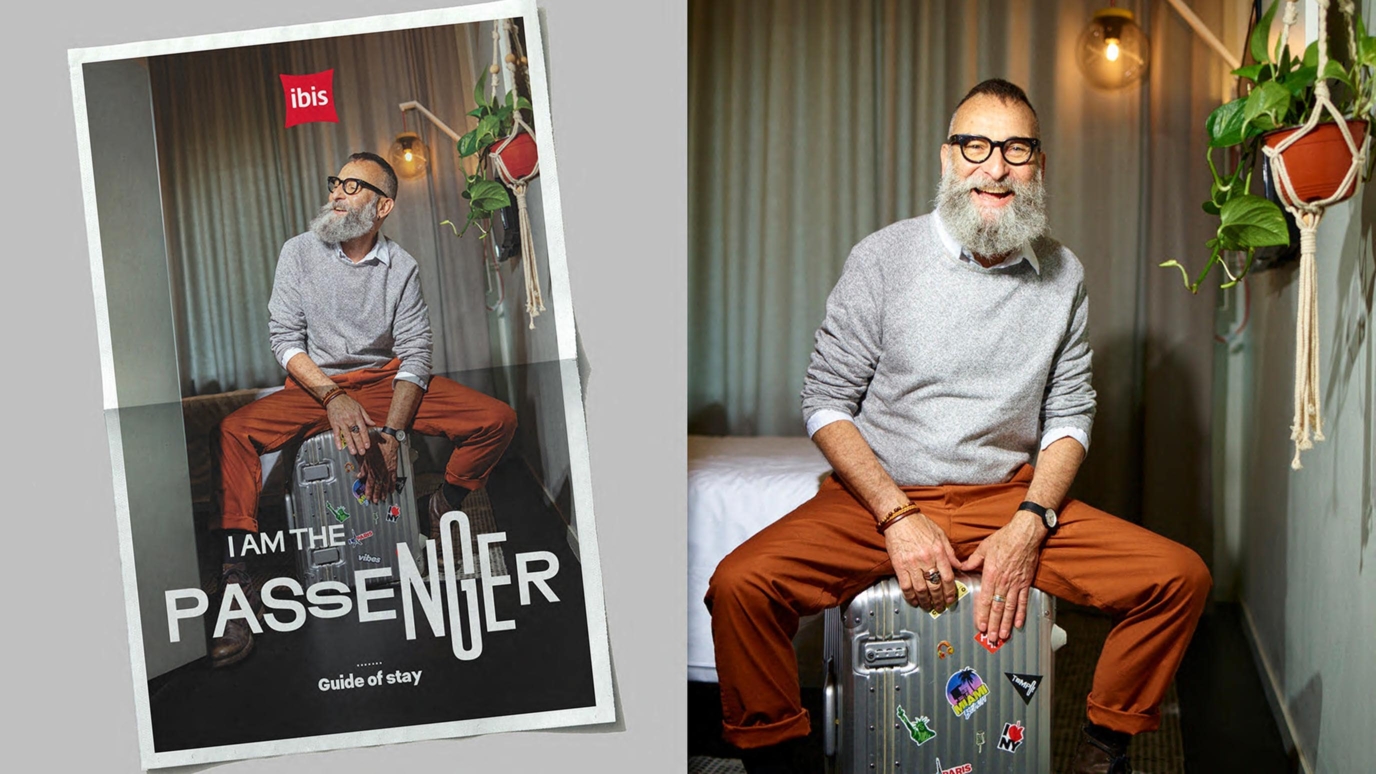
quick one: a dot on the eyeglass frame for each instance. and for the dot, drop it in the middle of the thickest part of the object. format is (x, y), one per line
(959, 141)
(332, 182)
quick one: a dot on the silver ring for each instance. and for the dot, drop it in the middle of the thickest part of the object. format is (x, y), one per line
(934, 577)
(999, 599)
(353, 428)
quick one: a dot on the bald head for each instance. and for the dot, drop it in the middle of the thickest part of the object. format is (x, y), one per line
(1000, 92)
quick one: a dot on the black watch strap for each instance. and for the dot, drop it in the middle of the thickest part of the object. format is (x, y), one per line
(400, 435)
(1028, 505)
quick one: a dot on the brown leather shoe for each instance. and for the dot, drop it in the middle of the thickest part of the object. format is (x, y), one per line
(1095, 757)
(237, 642)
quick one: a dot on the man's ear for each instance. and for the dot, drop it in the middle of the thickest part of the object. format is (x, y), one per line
(385, 205)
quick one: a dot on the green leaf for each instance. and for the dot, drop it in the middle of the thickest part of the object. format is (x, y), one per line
(1211, 208)
(1337, 72)
(1251, 72)
(489, 194)
(1269, 100)
(1250, 221)
(1301, 79)
(488, 126)
(1311, 55)
(522, 103)
(1262, 33)
(478, 89)
(468, 144)
(478, 112)
(1224, 125)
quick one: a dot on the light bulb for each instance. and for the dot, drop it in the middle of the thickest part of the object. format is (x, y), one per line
(1112, 50)
(407, 155)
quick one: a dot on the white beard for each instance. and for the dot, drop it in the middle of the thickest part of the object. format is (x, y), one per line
(1011, 227)
(333, 228)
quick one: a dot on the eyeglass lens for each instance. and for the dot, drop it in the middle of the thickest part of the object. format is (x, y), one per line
(350, 185)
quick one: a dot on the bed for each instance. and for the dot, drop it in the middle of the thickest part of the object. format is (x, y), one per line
(736, 487)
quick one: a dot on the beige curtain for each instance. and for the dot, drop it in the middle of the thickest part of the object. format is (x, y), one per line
(814, 123)
(236, 185)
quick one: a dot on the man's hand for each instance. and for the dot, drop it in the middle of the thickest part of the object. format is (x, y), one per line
(379, 468)
(1009, 558)
(916, 546)
(350, 424)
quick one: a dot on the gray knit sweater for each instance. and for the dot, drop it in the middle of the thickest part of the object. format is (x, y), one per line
(348, 316)
(952, 372)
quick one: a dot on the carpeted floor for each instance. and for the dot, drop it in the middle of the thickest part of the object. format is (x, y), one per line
(1158, 752)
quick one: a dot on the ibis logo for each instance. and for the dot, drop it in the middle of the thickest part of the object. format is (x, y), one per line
(309, 98)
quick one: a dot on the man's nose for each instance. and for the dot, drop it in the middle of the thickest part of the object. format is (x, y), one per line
(995, 166)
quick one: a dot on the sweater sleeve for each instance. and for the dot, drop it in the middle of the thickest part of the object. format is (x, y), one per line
(1069, 401)
(846, 348)
(411, 330)
(286, 315)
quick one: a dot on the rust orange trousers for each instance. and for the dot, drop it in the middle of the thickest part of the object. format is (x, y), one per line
(480, 426)
(828, 550)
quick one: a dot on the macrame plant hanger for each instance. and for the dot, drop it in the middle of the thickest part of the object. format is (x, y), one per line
(535, 302)
(1308, 423)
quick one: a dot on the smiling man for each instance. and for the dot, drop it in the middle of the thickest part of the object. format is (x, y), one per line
(954, 352)
(348, 323)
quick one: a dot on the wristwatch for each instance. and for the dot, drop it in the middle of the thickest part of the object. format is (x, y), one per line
(1048, 515)
(400, 435)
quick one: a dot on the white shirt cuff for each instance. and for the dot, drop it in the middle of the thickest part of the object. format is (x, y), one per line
(407, 376)
(1057, 433)
(824, 417)
(291, 353)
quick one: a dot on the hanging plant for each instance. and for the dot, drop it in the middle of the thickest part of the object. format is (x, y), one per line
(496, 120)
(1283, 100)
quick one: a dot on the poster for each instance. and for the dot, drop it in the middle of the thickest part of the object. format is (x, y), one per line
(203, 161)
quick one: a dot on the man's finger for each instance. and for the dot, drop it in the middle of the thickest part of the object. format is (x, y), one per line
(948, 580)
(1022, 611)
(998, 603)
(982, 610)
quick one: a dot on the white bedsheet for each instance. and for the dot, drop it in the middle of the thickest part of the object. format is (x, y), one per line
(736, 487)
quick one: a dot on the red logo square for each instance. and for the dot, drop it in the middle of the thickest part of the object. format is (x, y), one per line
(309, 97)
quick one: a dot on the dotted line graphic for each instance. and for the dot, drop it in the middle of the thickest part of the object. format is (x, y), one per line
(369, 664)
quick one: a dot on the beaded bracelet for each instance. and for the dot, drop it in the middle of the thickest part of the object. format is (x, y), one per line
(884, 526)
(331, 395)
(895, 515)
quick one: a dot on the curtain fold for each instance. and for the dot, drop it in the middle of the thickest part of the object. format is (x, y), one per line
(815, 123)
(237, 184)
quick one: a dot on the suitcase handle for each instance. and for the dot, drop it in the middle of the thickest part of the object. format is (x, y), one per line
(829, 720)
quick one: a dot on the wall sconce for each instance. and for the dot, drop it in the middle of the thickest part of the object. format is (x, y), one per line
(410, 156)
(1112, 52)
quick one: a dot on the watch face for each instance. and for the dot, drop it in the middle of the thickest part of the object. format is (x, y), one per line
(1051, 520)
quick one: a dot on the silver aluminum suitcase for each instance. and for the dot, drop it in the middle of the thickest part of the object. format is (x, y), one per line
(322, 494)
(910, 692)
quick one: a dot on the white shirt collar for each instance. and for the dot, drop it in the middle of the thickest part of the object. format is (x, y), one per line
(382, 251)
(956, 250)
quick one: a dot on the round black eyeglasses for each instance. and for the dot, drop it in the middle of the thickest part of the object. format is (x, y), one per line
(977, 149)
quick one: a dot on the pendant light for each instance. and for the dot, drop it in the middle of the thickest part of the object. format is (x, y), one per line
(1112, 52)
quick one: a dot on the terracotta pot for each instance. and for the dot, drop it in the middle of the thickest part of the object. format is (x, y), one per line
(1319, 160)
(519, 156)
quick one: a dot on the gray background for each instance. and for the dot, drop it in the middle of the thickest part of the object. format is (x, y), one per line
(617, 76)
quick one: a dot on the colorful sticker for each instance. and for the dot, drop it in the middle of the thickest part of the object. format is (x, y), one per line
(364, 535)
(961, 591)
(966, 692)
(944, 649)
(983, 639)
(1012, 737)
(348, 467)
(979, 741)
(1026, 684)
(963, 768)
(920, 730)
(393, 513)
(353, 541)
(337, 510)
